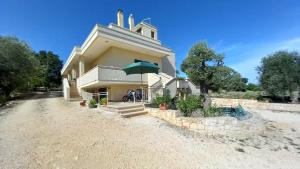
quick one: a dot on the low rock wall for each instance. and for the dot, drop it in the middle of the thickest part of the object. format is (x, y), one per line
(255, 104)
(209, 126)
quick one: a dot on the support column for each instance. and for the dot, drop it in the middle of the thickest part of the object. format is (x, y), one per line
(69, 76)
(73, 74)
(81, 66)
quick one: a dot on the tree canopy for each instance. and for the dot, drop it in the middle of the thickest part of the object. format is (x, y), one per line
(205, 68)
(233, 81)
(279, 73)
(17, 64)
(21, 68)
(49, 71)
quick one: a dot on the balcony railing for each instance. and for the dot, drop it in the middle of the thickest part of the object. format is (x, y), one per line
(109, 75)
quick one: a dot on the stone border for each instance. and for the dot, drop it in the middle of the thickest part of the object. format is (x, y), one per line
(255, 104)
(209, 126)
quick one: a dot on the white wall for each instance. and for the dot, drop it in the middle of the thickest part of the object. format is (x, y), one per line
(121, 57)
(169, 65)
(146, 31)
(66, 89)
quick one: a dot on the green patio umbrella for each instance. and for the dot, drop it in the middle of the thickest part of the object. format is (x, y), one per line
(141, 68)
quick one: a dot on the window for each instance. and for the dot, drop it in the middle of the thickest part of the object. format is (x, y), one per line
(139, 30)
(152, 34)
(137, 60)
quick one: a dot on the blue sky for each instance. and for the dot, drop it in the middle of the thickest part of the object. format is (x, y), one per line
(244, 30)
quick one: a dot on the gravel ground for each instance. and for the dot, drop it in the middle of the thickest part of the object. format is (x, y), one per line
(47, 132)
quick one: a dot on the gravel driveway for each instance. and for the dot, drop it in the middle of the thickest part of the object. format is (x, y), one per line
(48, 132)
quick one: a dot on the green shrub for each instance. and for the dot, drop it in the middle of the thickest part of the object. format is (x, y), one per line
(161, 99)
(188, 106)
(212, 111)
(2, 100)
(93, 102)
(237, 95)
(261, 98)
(103, 101)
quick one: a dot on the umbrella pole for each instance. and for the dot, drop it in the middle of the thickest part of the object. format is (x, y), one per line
(142, 88)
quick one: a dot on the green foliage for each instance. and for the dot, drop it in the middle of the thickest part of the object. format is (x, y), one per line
(161, 99)
(280, 73)
(103, 101)
(232, 80)
(93, 102)
(180, 78)
(188, 106)
(21, 69)
(206, 68)
(48, 74)
(237, 95)
(2, 100)
(212, 111)
(17, 64)
(264, 99)
(203, 66)
(252, 87)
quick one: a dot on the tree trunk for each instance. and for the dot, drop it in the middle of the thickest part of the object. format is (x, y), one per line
(204, 93)
(7, 90)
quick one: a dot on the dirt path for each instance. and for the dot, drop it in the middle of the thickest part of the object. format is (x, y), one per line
(47, 132)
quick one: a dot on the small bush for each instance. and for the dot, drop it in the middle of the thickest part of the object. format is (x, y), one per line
(3, 99)
(103, 101)
(93, 102)
(212, 111)
(237, 95)
(188, 106)
(161, 99)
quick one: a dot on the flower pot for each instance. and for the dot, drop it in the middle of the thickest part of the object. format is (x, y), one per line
(92, 106)
(163, 106)
(82, 103)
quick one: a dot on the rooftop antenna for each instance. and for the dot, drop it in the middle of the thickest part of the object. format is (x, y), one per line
(147, 19)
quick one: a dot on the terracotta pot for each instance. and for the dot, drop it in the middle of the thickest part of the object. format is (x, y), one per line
(163, 106)
(82, 103)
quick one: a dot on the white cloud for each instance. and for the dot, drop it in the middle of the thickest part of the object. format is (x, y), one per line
(221, 48)
(254, 53)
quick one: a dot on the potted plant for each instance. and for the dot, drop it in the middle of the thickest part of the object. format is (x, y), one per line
(162, 102)
(103, 101)
(92, 103)
(82, 103)
(163, 106)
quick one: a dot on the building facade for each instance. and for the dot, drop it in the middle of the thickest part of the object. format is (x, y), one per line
(96, 66)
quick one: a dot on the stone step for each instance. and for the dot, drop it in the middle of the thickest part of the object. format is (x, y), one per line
(130, 110)
(127, 115)
(129, 107)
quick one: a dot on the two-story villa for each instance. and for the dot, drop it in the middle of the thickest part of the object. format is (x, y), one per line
(96, 66)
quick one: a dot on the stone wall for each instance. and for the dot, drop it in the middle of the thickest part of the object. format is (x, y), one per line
(255, 104)
(209, 126)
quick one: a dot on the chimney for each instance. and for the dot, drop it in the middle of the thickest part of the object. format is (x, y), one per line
(131, 22)
(120, 18)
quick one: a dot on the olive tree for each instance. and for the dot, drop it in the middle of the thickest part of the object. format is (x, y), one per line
(279, 73)
(17, 64)
(205, 68)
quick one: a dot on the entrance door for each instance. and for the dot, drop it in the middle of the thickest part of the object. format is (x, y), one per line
(102, 90)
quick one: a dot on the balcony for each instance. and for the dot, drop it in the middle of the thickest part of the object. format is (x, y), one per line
(107, 75)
